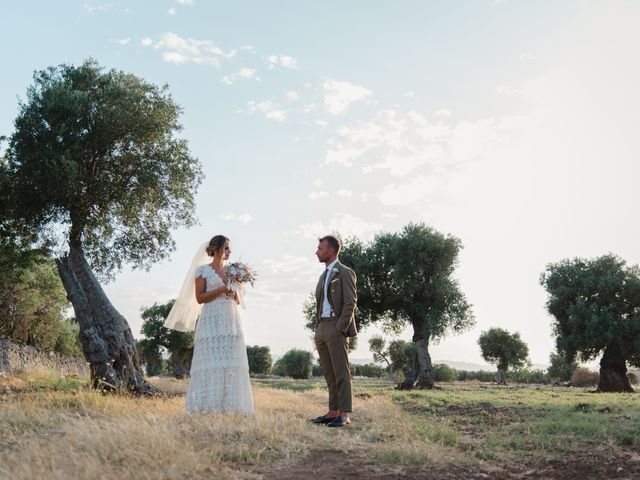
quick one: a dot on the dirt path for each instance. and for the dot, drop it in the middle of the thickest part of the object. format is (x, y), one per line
(331, 464)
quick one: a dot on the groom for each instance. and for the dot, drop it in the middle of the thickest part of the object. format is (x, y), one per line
(336, 297)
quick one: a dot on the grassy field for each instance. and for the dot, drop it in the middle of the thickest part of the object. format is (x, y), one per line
(57, 428)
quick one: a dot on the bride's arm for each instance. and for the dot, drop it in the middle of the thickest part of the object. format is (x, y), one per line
(202, 296)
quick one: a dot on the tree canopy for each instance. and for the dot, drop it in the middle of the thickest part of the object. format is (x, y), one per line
(503, 349)
(94, 161)
(595, 306)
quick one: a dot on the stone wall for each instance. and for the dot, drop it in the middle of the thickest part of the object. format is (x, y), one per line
(18, 358)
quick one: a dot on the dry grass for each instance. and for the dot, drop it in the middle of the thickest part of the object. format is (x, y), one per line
(77, 433)
(58, 428)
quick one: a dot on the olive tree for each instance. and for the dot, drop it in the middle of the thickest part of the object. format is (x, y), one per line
(595, 305)
(95, 172)
(504, 350)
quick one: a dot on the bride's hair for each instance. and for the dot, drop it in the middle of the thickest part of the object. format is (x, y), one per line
(216, 244)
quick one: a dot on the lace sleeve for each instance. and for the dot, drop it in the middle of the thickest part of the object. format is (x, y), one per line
(199, 272)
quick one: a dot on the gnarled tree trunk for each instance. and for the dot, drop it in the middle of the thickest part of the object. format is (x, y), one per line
(501, 376)
(421, 373)
(177, 368)
(105, 335)
(613, 371)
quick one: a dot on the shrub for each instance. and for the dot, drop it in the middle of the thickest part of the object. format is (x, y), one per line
(480, 375)
(560, 370)
(583, 377)
(369, 370)
(316, 371)
(68, 342)
(444, 373)
(525, 375)
(295, 363)
(260, 360)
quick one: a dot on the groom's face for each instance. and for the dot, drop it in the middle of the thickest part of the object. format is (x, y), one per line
(324, 251)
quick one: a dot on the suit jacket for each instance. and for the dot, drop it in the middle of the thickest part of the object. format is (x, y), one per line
(343, 296)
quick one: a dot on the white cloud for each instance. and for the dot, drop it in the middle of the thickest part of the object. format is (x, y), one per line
(146, 42)
(402, 142)
(172, 11)
(443, 112)
(248, 48)
(505, 90)
(318, 182)
(409, 193)
(244, 218)
(345, 224)
(344, 193)
(184, 2)
(292, 95)
(285, 61)
(91, 8)
(267, 107)
(527, 57)
(410, 94)
(338, 96)
(244, 72)
(288, 264)
(318, 195)
(310, 107)
(322, 123)
(177, 49)
(122, 41)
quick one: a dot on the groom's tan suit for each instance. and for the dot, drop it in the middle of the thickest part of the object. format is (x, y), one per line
(332, 332)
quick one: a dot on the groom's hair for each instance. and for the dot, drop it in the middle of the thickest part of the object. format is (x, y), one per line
(332, 241)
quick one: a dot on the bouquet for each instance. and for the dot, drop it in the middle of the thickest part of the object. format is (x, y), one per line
(238, 274)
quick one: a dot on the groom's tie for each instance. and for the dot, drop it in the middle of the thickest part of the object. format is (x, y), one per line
(324, 281)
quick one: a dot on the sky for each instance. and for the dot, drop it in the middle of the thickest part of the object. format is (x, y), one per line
(512, 125)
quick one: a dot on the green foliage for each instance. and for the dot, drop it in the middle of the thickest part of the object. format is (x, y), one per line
(377, 346)
(526, 375)
(260, 360)
(309, 313)
(408, 277)
(370, 370)
(444, 373)
(32, 305)
(401, 354)
(295, 363)
(560, 370)
(179, 345)
(503, 349)
(68, 342)
(595, 304)
(316, 370)
(95, 156)
(478, 375)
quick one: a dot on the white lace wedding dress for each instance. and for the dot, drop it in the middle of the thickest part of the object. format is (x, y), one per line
(219, 377)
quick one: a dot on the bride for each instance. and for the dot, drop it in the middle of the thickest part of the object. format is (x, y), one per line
(219, 376)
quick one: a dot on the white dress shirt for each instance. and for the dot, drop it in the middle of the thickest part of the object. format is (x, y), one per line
(326, 306)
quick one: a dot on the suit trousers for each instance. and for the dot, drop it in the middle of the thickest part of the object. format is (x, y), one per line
(333, 352)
